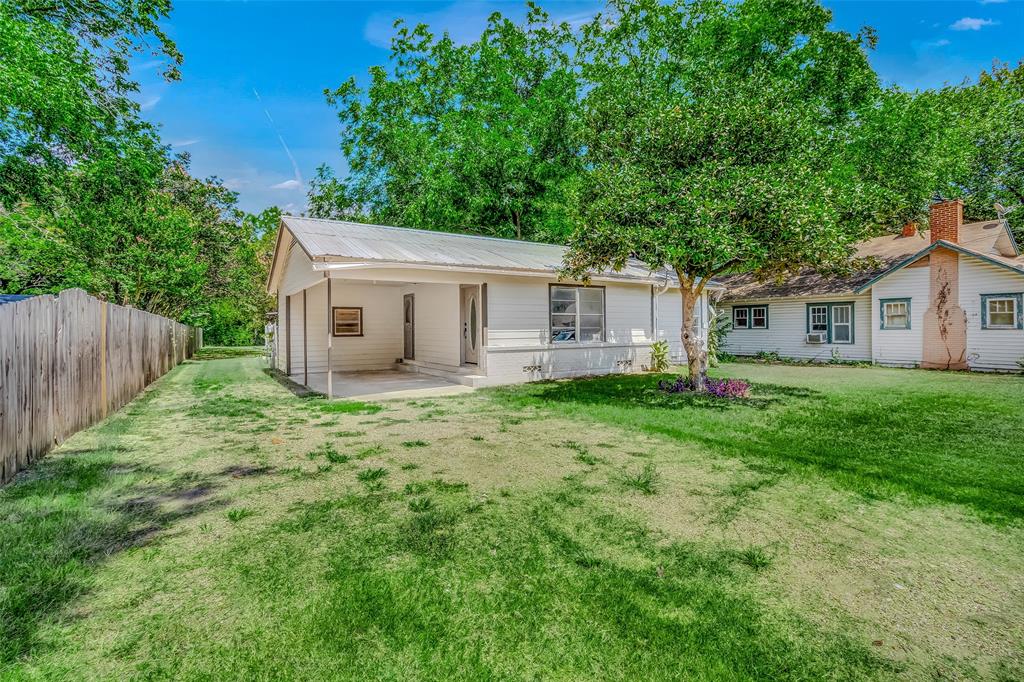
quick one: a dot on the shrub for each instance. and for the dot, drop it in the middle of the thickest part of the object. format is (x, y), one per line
(659, 356)
(719, 388)
(718, 328)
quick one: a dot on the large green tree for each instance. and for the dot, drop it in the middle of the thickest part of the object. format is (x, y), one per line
(715, 141)
(991, 116)
(478, 137)
(66, 87)
(89, 196)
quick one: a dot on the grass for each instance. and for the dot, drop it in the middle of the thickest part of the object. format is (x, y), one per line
(933, 437)
(206, 531)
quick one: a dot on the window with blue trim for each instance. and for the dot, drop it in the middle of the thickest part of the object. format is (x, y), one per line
(750, 317)
(1002, 311)
(835, 320)
(894, 313)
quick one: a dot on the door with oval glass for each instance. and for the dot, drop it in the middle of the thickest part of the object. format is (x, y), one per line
(470, 324)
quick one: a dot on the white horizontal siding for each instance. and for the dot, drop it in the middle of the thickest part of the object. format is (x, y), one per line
(298, 272)
(787, 330)
(518, 312)
(901, 346)
(438, 330)
(518, 329)
(989, 349)
(380, 344)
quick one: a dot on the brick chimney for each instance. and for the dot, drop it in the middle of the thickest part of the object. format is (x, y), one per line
(910, 229)
(945, 219)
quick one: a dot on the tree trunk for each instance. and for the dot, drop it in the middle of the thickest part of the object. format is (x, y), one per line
(696, 351)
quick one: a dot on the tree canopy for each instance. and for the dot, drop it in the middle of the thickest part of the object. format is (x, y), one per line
(478, 137)
(90, 197)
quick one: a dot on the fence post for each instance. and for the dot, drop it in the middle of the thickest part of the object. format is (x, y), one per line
(103, 359)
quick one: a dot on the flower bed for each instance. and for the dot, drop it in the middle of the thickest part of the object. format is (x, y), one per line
(730, 389)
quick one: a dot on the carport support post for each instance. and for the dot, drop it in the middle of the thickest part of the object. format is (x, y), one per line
(330, 338)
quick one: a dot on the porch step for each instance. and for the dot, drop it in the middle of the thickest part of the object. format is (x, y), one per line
(461, 375)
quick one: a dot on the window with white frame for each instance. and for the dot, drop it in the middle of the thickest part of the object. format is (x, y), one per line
(817, 318)
(842, 323)
(750, 317)
(1001, 311)
(759, 317)
(577, 313)
(740, 318)
(835, 320)
(895, 313)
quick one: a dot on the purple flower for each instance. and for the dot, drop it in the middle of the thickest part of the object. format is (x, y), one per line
(720, 388)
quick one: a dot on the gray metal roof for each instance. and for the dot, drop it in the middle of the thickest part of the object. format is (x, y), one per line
(337, 239)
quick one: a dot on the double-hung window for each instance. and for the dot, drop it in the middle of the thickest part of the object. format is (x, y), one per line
(1001, 311)
(577, 313)
(835, 320)
(895, 313)
(817, 318)
(750, 317)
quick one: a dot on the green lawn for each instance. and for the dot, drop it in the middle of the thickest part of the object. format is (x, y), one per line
(842, 523)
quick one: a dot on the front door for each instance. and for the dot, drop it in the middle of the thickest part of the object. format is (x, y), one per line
(470, 325)
(408, 319)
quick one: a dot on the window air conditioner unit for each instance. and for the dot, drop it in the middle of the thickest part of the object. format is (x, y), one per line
(817, 337)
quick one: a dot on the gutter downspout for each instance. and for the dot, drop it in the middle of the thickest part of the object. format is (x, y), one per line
(657, 294)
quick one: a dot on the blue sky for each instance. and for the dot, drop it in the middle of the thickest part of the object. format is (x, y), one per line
(250, 107)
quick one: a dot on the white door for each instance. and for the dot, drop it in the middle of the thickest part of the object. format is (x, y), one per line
(470, 325)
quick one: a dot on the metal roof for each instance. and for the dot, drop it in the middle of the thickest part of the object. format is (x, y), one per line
(337, 239)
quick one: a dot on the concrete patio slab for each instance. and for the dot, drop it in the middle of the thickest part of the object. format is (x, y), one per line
(383, 385)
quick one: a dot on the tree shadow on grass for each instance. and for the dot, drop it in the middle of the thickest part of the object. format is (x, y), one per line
(641, 390)
(70, 513)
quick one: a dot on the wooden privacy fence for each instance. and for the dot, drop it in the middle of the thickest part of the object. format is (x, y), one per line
(67, 361)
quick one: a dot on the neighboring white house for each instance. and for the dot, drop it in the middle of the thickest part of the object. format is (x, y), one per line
(475, 310)
(947, 298)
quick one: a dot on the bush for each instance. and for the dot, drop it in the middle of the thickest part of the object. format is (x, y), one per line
(720, 388)
(659, 356)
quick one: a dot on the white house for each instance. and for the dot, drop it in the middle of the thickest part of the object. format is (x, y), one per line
(473, 310)
(947, 298)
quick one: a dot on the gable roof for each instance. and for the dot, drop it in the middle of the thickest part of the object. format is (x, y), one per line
(989, 240)
(348, 242)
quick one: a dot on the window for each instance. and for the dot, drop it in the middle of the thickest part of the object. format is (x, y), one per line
(835, 320)
(842, 324)
(750, 317)
(895, 313)
(759, 317)
(348, 321)
(1001, 311)
(818, 318)
(741, 318)
(577, 313)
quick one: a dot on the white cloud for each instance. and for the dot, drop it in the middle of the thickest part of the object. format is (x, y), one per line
(991, 2)
(184, 143)
(235, 184)
(971, 24)
(287, 184)
(941, 42)
(149, 102)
